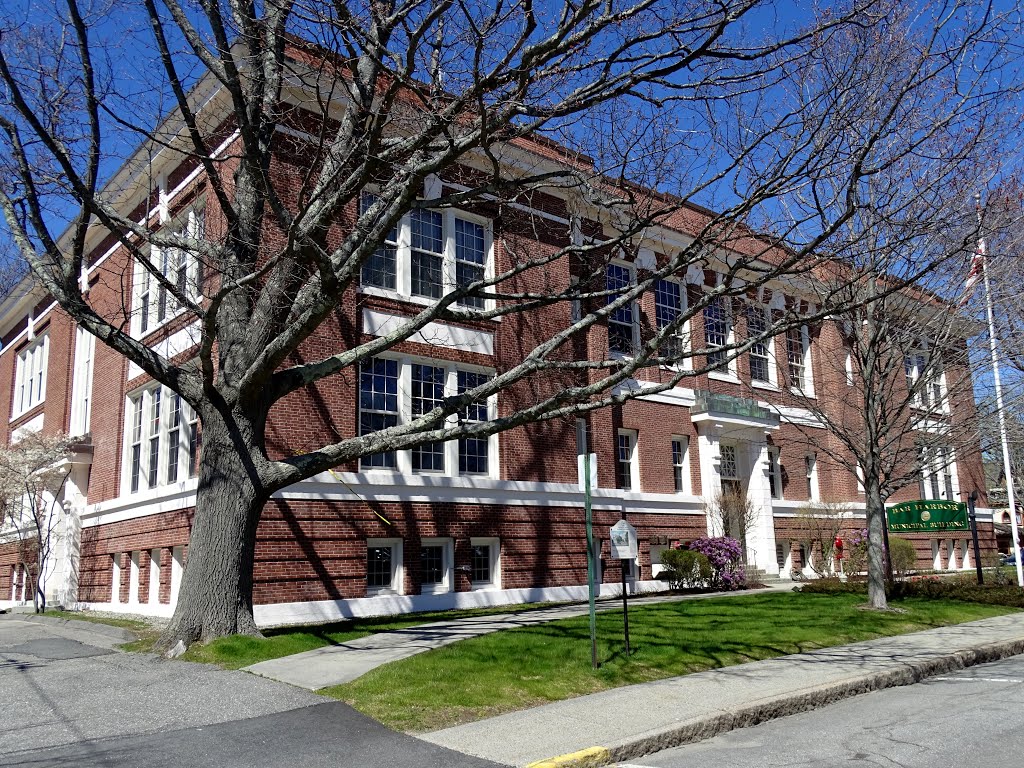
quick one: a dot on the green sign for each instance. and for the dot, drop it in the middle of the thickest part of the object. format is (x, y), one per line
(928, 516)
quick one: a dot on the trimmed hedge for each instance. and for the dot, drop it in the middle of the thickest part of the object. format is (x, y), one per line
(955, 588)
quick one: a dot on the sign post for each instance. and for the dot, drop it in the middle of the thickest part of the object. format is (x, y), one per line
(588, 476)
(622, 537)
(971, 501)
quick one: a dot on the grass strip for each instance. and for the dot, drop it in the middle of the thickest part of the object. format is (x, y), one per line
(525, 667)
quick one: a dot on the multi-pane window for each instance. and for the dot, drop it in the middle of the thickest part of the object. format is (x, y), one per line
(811, 473)
(392, 393)
(679, 464)
(427, 394)
(81, 397)
(380, 270)
(669, 303)
(470, 259)
(432, 570)
(760, 361)
(774, 473)
(938, 473)
(378, 405)
(155, 303)
(796, 356)
(383, 566)
(928, 379)
(161, 439)
(626, 458)
(728, 470)
(30, 377)
(473, 451)
(429, 253)
(717, 327)
(621, 320)
(483, 563)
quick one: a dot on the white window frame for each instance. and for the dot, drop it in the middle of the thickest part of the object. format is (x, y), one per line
(725, 371)
(632, 462)
(735, 477)
(31, 375)
(396, 584)
(811, 475)
(682, 335)
(189, 223)
(634, 308)
(775, 472)
(81, 387)
(916, 367)
(805, 385)
(494, 543)
(769, 350)
(403, 259)
(142, 400)
(939, 478)
(403, 458)
(681, 480)
(447, 583)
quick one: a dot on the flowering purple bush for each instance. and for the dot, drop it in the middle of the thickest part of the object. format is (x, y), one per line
(726, 557)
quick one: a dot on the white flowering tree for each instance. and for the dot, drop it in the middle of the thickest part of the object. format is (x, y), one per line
(33, 473)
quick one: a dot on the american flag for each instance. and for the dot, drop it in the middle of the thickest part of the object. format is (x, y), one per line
(977, 266)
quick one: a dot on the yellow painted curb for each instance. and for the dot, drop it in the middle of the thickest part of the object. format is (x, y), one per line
(592, 757)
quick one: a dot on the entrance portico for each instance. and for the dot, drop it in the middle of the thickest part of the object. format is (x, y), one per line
(733, 449)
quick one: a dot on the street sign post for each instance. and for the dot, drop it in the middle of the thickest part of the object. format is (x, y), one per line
(587, 464)
(622, 537)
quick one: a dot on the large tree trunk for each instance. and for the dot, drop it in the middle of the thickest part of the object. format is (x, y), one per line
(875, 509)
(215, 598)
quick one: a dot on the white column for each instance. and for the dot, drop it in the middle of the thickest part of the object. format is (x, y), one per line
(177, 558)
(133, 578)
(115, 580)
(154, 576)
(761, 532)
(710, 480)
(937, 554)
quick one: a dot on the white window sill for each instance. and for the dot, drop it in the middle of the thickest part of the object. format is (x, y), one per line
(435, 589)
(765, 385)
(728, 377)
(408, 298)
(382, 592)
(483, 586)
(803, 393)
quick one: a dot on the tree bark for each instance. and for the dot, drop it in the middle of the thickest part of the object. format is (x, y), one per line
(875, 510)
(215, 598)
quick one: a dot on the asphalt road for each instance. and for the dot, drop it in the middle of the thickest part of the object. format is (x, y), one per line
(68, 698)
(974, 717)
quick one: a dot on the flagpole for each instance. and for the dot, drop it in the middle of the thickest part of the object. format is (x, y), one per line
(1003, 438)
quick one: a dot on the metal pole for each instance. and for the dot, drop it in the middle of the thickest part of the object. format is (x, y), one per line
(1010, 500)
(625, 607)
(971, 500)
(591, 566)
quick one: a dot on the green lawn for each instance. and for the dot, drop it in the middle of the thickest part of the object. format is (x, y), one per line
(239, 651)
(520, 668)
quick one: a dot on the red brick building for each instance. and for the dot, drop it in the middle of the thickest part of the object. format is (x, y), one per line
(465, 523)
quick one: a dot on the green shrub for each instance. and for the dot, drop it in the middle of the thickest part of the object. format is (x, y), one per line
(686, 569)
(932, 587)
(903, 556)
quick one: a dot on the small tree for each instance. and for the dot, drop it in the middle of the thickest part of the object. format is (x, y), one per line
(33, 472)
(823, 522)
(731, 514)
(903, 556)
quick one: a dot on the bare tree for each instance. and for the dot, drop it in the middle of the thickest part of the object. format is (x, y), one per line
(731, 513)
(823, 522)
(292, 111)
(33, 472)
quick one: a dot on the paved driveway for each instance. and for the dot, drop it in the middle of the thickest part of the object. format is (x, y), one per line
(69, 698)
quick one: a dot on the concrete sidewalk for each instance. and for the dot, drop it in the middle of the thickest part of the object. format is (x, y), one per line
(337, 664)
(637, 720)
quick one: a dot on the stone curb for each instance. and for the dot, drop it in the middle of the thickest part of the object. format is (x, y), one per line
(709, 726)
(118, 633)
(592, 757)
